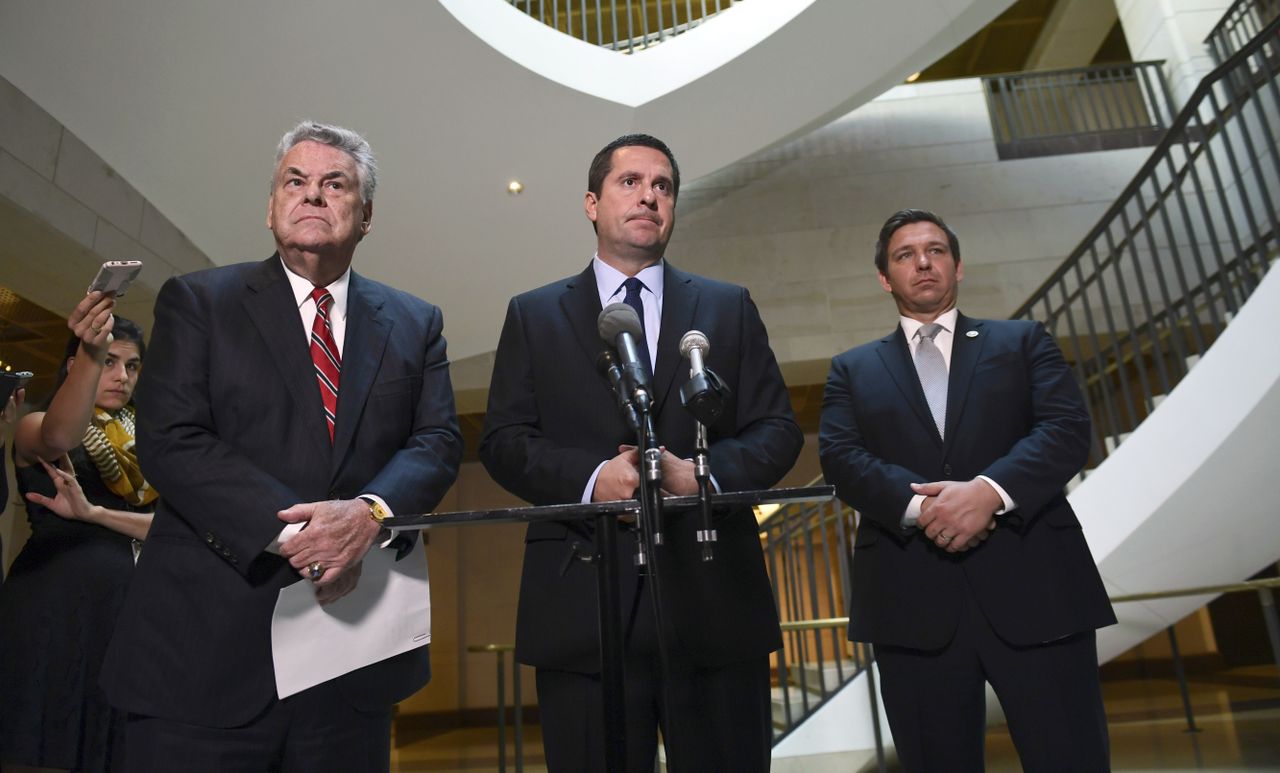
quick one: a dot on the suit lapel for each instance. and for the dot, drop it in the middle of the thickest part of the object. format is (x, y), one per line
(270, 304)
(366, 340)
(896, 356)
(581, 304)
(966, 346)
(679, 301)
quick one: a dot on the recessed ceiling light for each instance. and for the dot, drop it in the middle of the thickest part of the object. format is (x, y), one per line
(515, 187)
(913, 77)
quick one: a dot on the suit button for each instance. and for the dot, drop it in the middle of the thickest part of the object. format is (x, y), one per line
(946, 470)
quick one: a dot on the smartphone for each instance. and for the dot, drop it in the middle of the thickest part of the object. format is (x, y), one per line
(11, 381)
(115, 276)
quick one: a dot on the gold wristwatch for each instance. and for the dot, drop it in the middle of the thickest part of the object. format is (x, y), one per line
(377, 511)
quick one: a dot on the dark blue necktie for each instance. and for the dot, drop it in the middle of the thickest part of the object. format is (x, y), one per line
(634, 286)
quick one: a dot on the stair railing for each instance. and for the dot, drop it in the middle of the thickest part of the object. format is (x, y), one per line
(1152, 285)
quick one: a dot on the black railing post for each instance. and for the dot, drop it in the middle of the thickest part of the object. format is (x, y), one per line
(1181, 674)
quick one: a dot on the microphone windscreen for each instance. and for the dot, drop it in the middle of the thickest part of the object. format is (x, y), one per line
(618, 318)
(694, 339)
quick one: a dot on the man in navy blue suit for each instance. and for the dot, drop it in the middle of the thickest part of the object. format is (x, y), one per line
(953, 438)
(553, 435)
(286, 393)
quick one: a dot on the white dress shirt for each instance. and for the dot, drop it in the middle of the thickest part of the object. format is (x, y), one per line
(943, 340)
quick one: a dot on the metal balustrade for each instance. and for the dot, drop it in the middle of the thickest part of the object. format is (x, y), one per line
(623, 25)
(808, 551)
(1240, 24)
(1152, 285)
(1078, 110)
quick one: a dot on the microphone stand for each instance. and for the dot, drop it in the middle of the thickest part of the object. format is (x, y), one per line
(702, 473)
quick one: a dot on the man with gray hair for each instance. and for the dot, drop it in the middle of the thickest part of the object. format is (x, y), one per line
(279, 395)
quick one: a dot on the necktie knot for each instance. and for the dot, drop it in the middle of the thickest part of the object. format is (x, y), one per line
(929, 331)
(323, 299)
(633, 286)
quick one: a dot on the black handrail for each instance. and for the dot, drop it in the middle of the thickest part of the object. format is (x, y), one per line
(1160, 275)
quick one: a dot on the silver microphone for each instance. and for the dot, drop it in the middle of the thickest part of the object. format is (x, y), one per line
(695, 347)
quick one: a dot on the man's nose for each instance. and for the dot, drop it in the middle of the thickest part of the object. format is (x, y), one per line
(648, 196)
(313, 194)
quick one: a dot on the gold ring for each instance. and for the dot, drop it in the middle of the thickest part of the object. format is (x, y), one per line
(315, 570)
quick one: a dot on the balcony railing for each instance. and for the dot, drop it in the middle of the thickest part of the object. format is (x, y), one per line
(1078, 110)
(1159, 277)
(623, 25)
(1240, 24)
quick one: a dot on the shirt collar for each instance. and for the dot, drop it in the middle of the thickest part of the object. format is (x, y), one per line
(302, 288)
(948, 321)
(610, 279)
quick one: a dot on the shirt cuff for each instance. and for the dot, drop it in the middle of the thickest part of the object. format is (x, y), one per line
(1009, 504)
(285, 534)
(912, 513)
(591, 483)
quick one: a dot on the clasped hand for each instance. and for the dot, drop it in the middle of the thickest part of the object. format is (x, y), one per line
(620, 476)
(338, 534)
(957, 515)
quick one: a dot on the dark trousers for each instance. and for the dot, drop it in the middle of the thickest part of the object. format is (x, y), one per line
(315, 731)
(1050, 693)
(712, 719)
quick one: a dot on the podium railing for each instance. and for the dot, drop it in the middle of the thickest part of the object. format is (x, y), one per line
(604, 516)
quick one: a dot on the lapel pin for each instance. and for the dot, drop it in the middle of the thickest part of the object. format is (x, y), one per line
(972, 334)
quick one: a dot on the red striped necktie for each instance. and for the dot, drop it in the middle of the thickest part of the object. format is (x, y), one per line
(324, 353)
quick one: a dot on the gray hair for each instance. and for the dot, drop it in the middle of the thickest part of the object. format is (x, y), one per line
(345, 140)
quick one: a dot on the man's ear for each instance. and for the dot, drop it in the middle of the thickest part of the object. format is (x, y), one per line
(367, 219)
(589, 206)
(884, 281)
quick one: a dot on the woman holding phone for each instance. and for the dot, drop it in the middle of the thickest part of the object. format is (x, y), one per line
(89, 509)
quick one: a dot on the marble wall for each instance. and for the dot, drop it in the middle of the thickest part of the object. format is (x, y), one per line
(797, 223)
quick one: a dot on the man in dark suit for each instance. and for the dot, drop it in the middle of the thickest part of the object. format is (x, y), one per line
(252, 429)
(553, 434)
(953, 438)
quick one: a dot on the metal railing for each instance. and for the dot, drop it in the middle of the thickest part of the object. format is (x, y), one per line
(1078, 110)
(807, 551)
(1152, 285)
(1240, 24)
(517, 703)
(623, 25)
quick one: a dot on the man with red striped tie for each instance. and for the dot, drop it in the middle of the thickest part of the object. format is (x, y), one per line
(292, 405)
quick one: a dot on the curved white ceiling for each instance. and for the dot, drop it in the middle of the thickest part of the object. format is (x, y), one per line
(187, 100)
(627, 80)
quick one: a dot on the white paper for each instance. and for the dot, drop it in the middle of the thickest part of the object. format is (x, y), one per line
(388, 613)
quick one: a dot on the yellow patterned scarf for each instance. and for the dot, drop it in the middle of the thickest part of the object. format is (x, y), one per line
(109, 441)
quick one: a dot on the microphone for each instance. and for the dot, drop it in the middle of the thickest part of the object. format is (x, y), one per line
(620, 327)
(607, 364)
(703, 395)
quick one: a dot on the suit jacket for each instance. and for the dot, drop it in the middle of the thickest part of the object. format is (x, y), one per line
(552, 420)
(231, 430)
(1014, 414)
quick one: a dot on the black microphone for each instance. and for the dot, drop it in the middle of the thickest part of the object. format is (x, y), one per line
(703, 395)
(620, 327)
(607, 364)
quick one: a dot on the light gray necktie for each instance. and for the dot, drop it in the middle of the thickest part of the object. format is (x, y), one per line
(932, 369)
